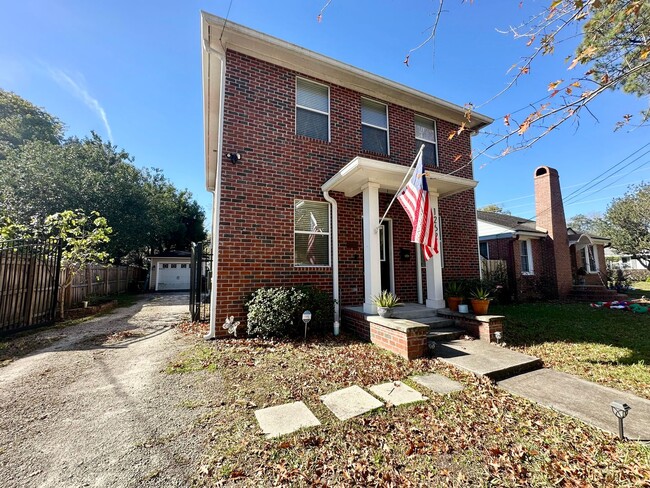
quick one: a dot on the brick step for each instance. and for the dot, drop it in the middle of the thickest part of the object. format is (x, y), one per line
(444, 334)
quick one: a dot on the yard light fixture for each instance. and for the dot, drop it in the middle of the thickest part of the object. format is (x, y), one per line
(306, 317)
(620, 410)
(498, 335)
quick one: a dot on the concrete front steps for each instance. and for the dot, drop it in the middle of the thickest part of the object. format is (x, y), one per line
(595, 293)
(440, 329)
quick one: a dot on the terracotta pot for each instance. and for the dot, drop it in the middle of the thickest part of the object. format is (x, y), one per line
(453, 302)
(480, 307)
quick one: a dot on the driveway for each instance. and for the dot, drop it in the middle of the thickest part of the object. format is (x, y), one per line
(96, 408)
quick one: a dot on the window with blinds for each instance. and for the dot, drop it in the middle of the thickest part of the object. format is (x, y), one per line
(311, 233)
(374, 126)
(312, 109)
(425, 133)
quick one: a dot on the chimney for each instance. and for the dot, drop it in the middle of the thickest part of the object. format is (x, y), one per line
(550, 216)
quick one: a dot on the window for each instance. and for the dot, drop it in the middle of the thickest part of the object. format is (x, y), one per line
(526, 257)
(183, 266)
(165, 266)
(311, 233)
(483, 249)
(374, 126)
(588, 254)
(173, 266)
(312, 110)
(425, 133)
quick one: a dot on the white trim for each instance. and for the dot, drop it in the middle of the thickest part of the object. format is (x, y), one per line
(328, 113)
(529, 251)
(391, 250)
(387, 128)
(321, 233)
(435, 135)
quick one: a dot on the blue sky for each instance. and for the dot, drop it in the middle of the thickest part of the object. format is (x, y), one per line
(132, 72)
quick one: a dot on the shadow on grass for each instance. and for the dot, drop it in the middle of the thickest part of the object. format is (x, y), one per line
(539, 323)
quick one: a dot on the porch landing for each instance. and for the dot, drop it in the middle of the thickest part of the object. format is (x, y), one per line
(414, 328)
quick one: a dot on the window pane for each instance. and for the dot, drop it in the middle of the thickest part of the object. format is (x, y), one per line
(592, 258)
(483, 247)
(430, 155)
(375, 140)
(312, 95)
(311, 216)
(525, 264)
(374, 113)
(312, 124)
(425, 129)
(312, 250)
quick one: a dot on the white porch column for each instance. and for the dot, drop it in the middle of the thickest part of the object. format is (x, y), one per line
(371, 269)
(435, 296)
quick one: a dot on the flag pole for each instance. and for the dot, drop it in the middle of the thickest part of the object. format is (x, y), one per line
(401, 186)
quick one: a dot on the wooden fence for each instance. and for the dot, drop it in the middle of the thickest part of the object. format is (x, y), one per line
(494, 269)
(100, 280)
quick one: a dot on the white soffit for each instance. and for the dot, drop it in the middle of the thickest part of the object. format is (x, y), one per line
(353, 176)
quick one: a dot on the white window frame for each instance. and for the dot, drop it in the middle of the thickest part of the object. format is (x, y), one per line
(387, 128)
(328, 234)
(329, 109)
(529, 252)
(435, 135)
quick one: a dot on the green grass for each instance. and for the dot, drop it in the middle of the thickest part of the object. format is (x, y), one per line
(610, 347)
(481, 436)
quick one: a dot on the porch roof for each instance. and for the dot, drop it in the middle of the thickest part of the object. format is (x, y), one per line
(354, 175)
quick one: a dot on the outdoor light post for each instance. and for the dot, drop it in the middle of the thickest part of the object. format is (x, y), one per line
(306, 317)
(620, 410)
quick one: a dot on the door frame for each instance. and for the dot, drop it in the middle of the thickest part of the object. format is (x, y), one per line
(390, 250)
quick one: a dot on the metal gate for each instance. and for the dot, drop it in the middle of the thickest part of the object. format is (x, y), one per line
(200, 282)
(29, 282)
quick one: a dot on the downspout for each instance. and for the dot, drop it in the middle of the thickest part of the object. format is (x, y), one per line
(335, 258)
(216, 195)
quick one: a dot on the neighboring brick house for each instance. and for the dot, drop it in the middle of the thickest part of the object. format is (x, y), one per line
(543, 258)
(303, 153)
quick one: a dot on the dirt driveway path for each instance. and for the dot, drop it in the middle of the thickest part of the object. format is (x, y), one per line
(97, 409)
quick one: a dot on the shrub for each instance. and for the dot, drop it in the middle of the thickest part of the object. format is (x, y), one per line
(272, 311)
(277, 312)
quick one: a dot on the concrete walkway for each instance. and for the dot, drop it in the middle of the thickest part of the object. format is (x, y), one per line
(582, 399)
(522, 375)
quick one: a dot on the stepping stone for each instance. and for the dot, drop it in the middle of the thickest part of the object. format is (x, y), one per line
(397, 393)
(438, 383)
(350, 402)
(284, 419)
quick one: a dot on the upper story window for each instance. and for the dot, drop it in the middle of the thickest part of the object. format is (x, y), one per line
(425, 133)
(484, 250)
(526, 257)
(374, 126)
(311, 233)
(312, 110)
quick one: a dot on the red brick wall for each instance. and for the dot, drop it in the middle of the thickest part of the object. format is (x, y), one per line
(277, 166)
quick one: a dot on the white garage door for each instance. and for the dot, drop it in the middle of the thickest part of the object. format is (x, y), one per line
(173, 276)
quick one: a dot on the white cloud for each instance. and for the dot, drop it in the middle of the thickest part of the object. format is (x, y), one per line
(78, 89)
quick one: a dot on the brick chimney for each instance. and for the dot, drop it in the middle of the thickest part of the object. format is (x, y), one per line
(550, 216)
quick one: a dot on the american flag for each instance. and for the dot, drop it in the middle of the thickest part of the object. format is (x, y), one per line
(415, 200)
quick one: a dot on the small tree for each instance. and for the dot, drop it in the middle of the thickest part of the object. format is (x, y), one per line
(82, 237)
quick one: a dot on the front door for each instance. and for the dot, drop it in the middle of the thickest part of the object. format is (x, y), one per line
(385, 255)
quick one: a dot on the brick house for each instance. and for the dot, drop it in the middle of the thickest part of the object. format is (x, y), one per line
(543, 258)
(303, 154)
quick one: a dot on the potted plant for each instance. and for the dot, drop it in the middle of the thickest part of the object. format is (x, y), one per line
(481, 298)
(385, 303)
(454, 295)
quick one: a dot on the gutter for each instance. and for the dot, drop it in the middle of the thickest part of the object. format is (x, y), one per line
(335, 258)
(216, 193)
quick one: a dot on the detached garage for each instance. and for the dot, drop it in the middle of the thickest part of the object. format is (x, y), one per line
(170, 271)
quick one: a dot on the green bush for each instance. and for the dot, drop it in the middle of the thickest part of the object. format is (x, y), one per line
(272, 311)
(277, 312)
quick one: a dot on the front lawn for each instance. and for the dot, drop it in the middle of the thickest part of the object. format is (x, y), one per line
(477, 437)
(610, 347)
